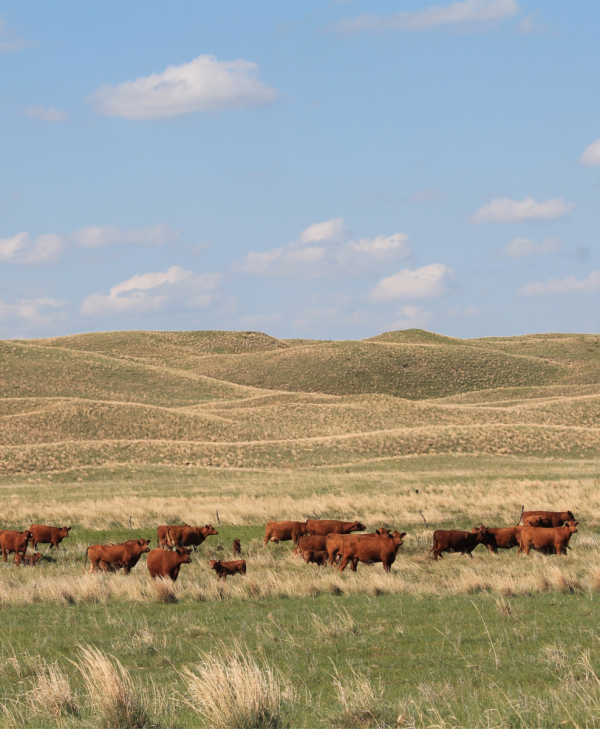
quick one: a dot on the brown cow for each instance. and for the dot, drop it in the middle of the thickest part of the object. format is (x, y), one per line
(284, 531)
(189, 536)
(31, 559)
(334, 542)
(228, 569)
(167, 564)
(17, 542)
(452, 540)
(163, 535)
(237, 548)
(323, 527)
(315, 557)
(371, 548)
(48, 535)
(544, 540)
(112, 557)
(546, 518)
(500, 537)
(312, 544)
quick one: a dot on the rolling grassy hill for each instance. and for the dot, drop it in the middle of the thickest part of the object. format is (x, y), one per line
(245, 399)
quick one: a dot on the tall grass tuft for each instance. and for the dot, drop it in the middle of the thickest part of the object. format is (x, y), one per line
(113, 696)
(363, 704)
(52, 694)
(233, 691)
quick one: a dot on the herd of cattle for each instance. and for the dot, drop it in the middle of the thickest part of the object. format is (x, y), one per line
(318, 541)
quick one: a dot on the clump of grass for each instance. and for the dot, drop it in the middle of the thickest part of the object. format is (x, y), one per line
(342, 623)
(166, 590)
(52, 694)
(233, 691)
(114, 698)
(363, 704)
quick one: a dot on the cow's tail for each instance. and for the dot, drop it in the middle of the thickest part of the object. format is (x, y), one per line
(434, 544)
(168, 539)
(85, 561)
(521, 517)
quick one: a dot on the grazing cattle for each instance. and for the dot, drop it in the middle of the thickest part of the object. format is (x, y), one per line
(167, 564)
(315, 557)
(334, 542)
(48, 535)
(228, 569)
(500, 537)
(454, 541)
(188, 536)
(113, 557)
(371, 548)
(546, 518)
(31, 559)
(163, 535)
(15, 542)
(284, 531)
(323, 527)
(312, 544)
(547, 540)
(237, 548)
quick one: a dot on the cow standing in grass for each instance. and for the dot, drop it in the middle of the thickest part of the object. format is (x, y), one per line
(371, 548)
(188, 536)
(284, 531)
(546, 518)
(53, 536)
(14, 542)
(451, 540)
(547, 540)
(323, 527)
(112, 557)
(228, 569)
(167, 564)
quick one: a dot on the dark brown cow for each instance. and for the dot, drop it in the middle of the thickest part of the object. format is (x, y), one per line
(371, 548)
(14, 542)
(284, 531)
(547, 518)
(163, 535)
(228, 569)
(237, 548)
(500, 537)
(112, 557)
(312, 544)
(315, 557)
(31, 559)
(545, 540)
(452, 540)
(48, 535)
(167, 564)
(323, 527)
(189, 536)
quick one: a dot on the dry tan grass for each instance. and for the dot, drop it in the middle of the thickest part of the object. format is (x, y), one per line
(52, 694)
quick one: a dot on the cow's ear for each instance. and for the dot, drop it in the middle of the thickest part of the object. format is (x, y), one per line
(402, 535)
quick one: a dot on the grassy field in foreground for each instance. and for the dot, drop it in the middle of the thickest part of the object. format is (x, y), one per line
(409, 429)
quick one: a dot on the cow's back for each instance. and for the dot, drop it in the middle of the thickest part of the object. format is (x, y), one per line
(313, 543)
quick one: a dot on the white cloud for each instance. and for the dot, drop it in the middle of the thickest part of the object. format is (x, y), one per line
(10, 44)
(422, 283)
(333, 254)
(591, 154)
(463, 12)
(570, 285)
(47, 113)
(155, 291)
(204, 84)
(39, 312)
(98, 236)
(503, 210)
(410, 317)
(523, 247)
(21, 249)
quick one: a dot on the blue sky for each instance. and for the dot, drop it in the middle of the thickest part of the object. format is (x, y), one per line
(307, 169)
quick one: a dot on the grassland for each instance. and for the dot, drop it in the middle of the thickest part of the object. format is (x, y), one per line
(408, 429)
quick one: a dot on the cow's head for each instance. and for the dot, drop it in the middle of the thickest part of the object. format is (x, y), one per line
(572, 526)
(64, 532)
(481, 532)
(214, 563)
(144, 545)
(28, 535)
(209, 530)
(382, 531)
(185, 555)
(570, 515)
(236, 543)
(36, 557)
(358, 527)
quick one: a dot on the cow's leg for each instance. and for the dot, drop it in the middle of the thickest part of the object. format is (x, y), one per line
(354, 564)
(4, 554)
(345, 561)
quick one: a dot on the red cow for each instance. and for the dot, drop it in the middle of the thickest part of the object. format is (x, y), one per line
(48, 535)
(452, 540)
(323, 527)
(311, 544)
(237, 548)
(546, 518)
(228, 569)
(284, 531)
(167, 564)
(188, 536)
(17, 542)
(163, 535)
(334, 542)
(556, 538)
(500, 537)
(371, 548)
(112, 557)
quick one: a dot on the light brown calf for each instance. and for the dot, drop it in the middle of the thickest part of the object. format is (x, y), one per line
(228, 569)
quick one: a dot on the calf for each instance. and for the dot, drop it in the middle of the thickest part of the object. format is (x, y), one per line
(556, 538)
(48, 535)
(225, 569)
(284, 531)
(31, 559)
(237, 548)
(323, 527)
(311, 557)
(451, 540)
(14, 542)
(167, 564)
(546, 518)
